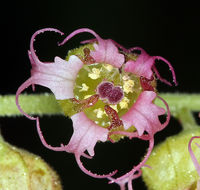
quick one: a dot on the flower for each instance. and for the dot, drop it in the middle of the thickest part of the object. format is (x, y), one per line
(107, 90)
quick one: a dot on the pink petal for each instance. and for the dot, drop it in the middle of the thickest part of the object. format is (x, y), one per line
(81, 30)
(140, 67)
(195, 161)
(89, 172)
(170, 67)
(58, 76)
(114, 42)
(107, 52)
(34, 57)
(131, 175)
(86, 134)
(145, 64)
(144, 114)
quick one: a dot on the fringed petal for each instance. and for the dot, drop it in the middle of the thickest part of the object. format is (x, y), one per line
(34, 58)
(82, 30)
(105, 50)
(86, 134)
(194, 159)
(89, 172)
(131, 175)
(170, 68)
(145, 64)
(114, 42)
(143, 115)
(58, 76)
(141, 67)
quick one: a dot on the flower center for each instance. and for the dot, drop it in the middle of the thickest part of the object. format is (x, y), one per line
(113, 95)
(117, 90)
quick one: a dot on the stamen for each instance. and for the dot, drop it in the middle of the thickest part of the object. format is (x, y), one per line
(112, 114)
(80, 105)
(146, 83)
(88, 58)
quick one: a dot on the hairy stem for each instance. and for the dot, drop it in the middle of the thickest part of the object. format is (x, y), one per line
(46, 104)
(177, 101)
(37, 104)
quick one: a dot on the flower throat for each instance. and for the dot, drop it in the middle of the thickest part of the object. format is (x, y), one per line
(103, 92)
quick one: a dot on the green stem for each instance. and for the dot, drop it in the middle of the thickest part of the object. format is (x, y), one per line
(177, 101)
(37, 104)
(187, 119)
(180, 105)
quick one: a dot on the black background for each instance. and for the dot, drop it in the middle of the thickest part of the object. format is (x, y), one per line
(160, 27)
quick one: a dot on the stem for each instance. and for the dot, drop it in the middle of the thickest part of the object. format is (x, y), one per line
(187, 119)
(46, 104)
(177, 101)
(181, 107)
(39, 104)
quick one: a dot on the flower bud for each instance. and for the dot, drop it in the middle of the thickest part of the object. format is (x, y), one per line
(22, 170)
(171, 164)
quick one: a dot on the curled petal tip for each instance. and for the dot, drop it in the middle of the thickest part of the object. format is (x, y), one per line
(89, 172)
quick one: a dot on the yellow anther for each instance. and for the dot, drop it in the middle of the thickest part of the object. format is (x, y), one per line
(87, 96)
(125, 77)
(114, 107)
(124, 103)
(99, 112)
(84, 87)
(95, 74)
(108, 67)
(128, 86)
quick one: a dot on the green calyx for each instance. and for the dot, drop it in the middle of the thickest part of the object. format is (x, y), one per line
(172, 167)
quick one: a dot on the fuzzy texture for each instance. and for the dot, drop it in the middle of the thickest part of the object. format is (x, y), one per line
(59, 76)
(145, 64)
(144, 115)
(107, 52)
(87, 137)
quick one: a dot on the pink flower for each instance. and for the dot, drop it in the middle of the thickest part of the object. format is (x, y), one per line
(109, 91)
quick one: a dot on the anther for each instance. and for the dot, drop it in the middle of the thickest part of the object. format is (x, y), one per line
(80, 105)
(88, 58)
(147, 83)
(112, 114)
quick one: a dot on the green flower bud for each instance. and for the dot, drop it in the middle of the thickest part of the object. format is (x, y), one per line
(172, 166)
(21, 170)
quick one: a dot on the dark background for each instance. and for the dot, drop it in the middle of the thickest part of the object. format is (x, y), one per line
(160, 27)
